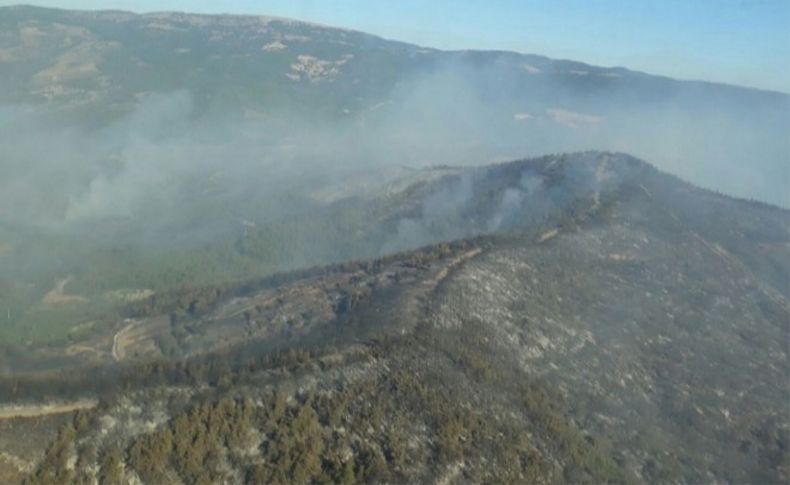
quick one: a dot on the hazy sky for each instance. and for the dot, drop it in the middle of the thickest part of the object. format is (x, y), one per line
(744, 42)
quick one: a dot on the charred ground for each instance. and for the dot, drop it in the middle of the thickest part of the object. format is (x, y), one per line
(618, 325)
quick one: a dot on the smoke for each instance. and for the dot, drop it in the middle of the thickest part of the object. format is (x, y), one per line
(171, 172)
(510, 197)
(526, 200)
(181, 191)
(439, 218)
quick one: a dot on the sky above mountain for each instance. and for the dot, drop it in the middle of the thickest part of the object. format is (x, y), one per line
(743, 42)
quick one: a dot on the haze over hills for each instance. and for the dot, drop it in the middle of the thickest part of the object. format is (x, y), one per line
(248, 249)
(358, 98)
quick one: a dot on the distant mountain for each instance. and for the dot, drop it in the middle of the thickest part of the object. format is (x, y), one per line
(618, 325)
(91, 68)
(109, 59)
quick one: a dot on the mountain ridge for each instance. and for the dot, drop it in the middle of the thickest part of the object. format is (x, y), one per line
(307, 91)
(613, 68)
(588, 333)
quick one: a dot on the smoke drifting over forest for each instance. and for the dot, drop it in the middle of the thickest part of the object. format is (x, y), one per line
(246, 145)
(250, 249)
(155, 160)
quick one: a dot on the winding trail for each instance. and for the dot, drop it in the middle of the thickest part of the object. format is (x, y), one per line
(118, 343)
(38, 410)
